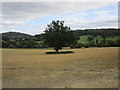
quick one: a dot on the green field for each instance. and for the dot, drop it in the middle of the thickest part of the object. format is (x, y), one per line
(84, 39)
(113, 38)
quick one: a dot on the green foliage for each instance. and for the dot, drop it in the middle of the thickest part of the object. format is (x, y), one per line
(5, 44)
(78, 45)
(11, 46)
(110, 32)
(20, 45)
(114, 38)
(60, 36)
(92, 44)
(86, 45)
(30, 44)
(15, 35)
(57, 35)
(12, 43)
(90, 38)
(99, 41)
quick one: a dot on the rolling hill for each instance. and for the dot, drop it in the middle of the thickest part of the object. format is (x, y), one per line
(14, 35)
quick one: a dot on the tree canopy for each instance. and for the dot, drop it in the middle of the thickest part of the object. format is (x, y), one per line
(58, 35)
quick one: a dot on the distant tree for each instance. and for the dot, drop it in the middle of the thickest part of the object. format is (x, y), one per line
(19, 45)
(57, 35)
(96, 41)
(30, 44)
(92, 44)
(78, 45)
(5, 44)
(90, 38)
(11, 46)
(118, 42)
(86, 45)
(110, 43)
(5, 38)
(12, 43)
(104, 40)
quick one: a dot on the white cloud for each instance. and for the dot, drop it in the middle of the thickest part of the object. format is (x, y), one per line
(19, 12)
(31, 10)
(102, 20)
(60, 0)
(9, 24)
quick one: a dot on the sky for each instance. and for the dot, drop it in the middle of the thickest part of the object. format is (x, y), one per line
(33, 17)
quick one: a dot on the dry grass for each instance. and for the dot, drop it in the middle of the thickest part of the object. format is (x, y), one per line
(86, 68)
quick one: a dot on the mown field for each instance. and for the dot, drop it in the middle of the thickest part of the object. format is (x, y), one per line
(84, 39)
(85, 68)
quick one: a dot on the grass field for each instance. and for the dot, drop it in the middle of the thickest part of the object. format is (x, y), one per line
(85, 68)
(84, 39)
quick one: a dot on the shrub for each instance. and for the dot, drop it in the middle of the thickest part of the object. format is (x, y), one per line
(11, 46)
(72, 46)
(86, 46)
(79, 45)
(5, 44)
(92, 44)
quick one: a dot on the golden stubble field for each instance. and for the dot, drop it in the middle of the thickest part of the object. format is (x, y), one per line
(85, 68)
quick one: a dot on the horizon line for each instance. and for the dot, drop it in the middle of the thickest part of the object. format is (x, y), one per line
(43, 32)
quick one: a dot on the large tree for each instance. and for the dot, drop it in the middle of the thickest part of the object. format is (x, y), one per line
(58, 35)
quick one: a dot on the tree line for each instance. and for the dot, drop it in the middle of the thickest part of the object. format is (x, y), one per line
(57, 35)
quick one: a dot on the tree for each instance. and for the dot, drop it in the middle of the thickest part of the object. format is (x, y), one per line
(57, 35)
(30, 44)
(12, 43)
(97, 42)
(4, 44)
(90, 38)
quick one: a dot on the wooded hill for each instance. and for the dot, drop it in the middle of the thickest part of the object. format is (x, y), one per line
(14, 35)
(87, 37)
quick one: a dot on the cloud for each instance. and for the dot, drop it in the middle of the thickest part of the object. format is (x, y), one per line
(16, 14)
(94, 19)
(9, 24)
(60, 0)
(32, 10)
(77, 23)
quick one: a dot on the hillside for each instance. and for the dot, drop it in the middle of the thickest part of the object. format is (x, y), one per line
(95, 32)
(87, 37)
(14, 35)
(77, 33)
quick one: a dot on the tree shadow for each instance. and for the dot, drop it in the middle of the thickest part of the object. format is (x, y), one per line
(62, 52)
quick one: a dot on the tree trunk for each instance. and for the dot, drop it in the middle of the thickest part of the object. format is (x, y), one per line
(56, 50)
